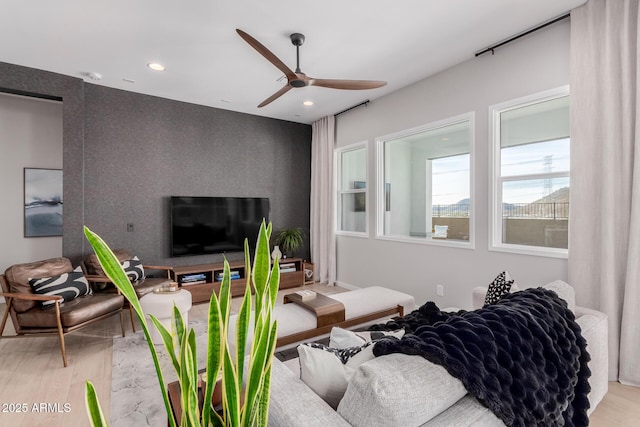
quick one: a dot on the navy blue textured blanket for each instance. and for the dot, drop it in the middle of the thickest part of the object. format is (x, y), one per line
(523, 357)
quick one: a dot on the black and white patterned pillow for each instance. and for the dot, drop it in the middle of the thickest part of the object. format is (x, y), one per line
(68, 285)
(133, 269)
(344, 354)
(500, 287)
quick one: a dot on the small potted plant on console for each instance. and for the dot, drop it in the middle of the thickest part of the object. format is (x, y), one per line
(289, 240)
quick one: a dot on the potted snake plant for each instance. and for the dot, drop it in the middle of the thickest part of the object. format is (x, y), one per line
(244, 403)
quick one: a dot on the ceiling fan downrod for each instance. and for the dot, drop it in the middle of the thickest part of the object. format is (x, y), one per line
(298, 40)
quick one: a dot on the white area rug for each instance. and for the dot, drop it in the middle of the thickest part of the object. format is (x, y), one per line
(136, 399)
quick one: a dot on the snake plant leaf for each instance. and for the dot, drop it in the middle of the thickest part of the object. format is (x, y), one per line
(243, 321)
(168, 341)
(231, 391)
(225, 292)
(215, 342)
(261, 265)
(96, 417)
(113, 270)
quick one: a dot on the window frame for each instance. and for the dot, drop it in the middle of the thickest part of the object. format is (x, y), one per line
(337, 176)
(497, 180)
(380, 182)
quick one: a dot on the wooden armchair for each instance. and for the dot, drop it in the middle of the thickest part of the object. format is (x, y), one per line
(144, 285)
(28, 315)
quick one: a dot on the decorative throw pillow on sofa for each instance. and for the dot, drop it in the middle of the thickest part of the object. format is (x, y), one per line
(68, 285)
(344, 338)
(500, 287)
(133, 269)
(327, 370)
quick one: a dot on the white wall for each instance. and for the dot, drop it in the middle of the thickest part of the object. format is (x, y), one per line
(532, 64)
(30, 136)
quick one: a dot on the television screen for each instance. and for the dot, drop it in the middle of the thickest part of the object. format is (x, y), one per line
(208, 225)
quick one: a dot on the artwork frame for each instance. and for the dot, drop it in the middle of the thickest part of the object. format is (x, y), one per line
(43, 202)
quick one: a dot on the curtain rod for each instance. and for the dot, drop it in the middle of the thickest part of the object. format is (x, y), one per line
(351, 108)
(517, 36)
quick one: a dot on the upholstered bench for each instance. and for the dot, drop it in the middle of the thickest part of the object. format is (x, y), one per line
(362, 306)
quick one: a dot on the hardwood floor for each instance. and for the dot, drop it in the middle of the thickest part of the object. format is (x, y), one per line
(32, 377)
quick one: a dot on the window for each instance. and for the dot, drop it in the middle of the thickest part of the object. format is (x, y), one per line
(351, 179)
(530, 208)
(424, 184)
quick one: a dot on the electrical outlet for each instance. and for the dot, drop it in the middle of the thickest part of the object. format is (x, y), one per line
(440, 290)
(130, 227)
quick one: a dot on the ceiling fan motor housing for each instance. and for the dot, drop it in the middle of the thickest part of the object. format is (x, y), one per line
(297, 39)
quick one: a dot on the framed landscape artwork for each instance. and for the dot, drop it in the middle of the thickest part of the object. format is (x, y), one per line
(42, 202)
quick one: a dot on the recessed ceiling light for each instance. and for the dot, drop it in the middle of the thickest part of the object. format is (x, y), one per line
(307, 103)
(155, 66)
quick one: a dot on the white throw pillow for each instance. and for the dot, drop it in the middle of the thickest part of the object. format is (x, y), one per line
(344, 338)
(564, 291)
(323, 371)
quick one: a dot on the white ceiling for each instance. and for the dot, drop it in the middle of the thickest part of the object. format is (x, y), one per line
(207, 63)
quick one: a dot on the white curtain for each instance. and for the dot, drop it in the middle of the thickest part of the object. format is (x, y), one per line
(604, 240)
(322, 239)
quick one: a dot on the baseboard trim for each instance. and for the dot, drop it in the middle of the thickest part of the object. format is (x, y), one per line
(347, 285)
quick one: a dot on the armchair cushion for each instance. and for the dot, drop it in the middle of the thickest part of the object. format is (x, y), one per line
(67, 285)
(93, 265)
(18, 276)
(72, 313)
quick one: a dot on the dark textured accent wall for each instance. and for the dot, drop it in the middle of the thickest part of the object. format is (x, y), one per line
(140, 150)
(125, 154)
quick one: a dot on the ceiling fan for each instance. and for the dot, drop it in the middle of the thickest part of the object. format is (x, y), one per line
(298, 78)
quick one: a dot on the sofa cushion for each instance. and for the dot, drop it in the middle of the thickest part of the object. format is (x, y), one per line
(564, 291)
(500, 287)
(398, 390)
(292, 403)
(467, 412)
(67, 285)
(72, 313)
(327, 370)
(18, 276)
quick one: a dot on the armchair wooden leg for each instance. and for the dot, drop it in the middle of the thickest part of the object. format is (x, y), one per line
(6, 315)
(133, 326)
(61, 334)
(122, 322)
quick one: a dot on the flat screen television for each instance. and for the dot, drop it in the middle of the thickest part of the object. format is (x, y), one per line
(209, 225)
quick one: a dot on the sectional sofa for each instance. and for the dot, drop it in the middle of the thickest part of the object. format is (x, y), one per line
(405, 390)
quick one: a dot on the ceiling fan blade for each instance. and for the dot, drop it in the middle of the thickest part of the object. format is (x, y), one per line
(347, 84)
(267, 54)
(275, 96)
